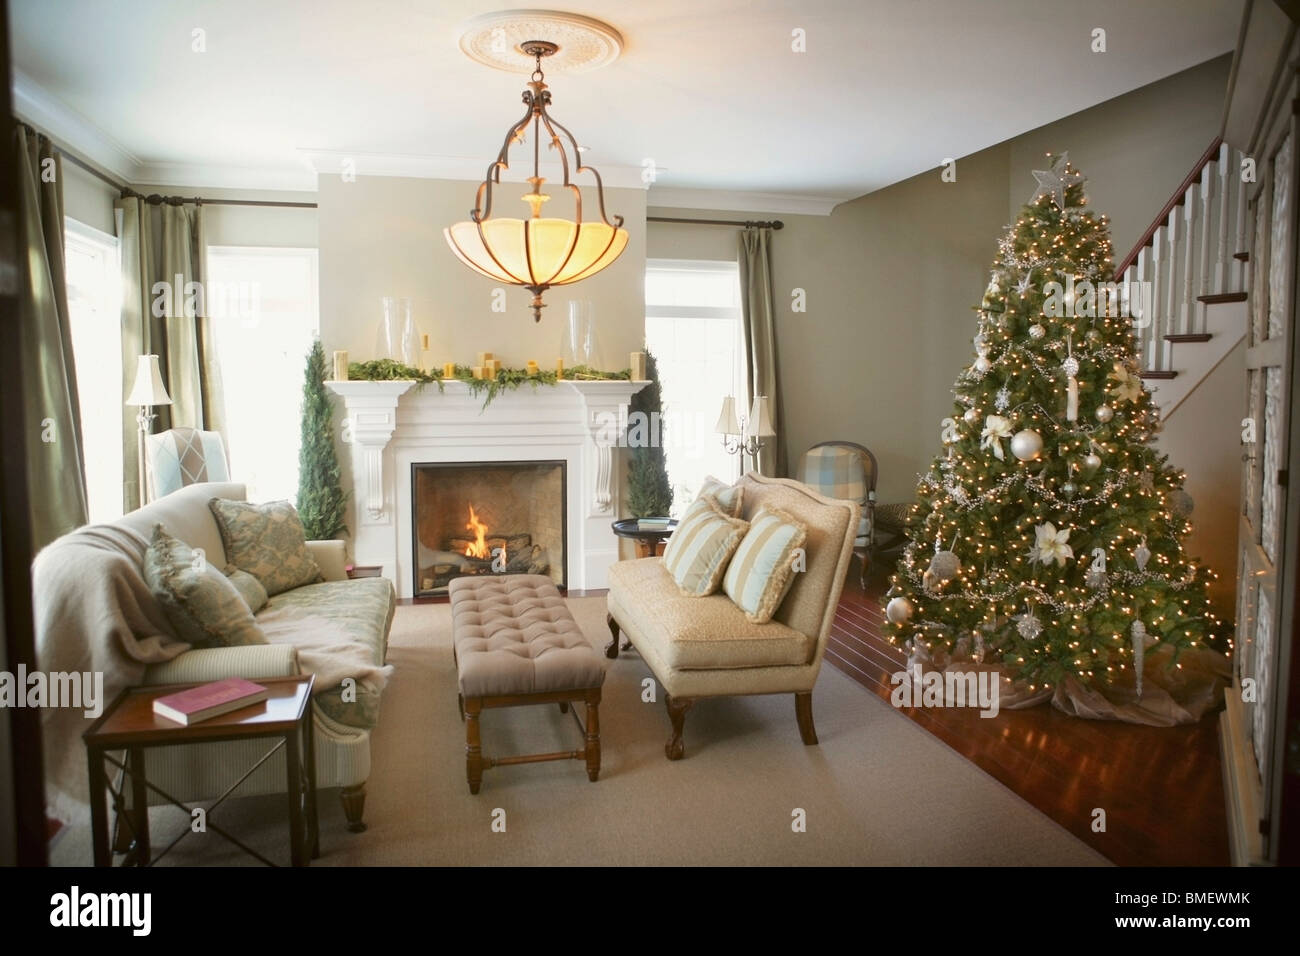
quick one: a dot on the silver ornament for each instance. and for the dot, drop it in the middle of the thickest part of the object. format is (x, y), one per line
(1095, 578)
(1036, 331)
(1182, 503)
(1141, 555)
(1105, 413)
(1002, 401)
(1029, 626)
(1093, 337)
(1141, 640)
(981, 343)
(1069, 489)
(971, 415)
(898, 610)
(945, 566)
(1026, 444)
(1090, 463)
(982, 364)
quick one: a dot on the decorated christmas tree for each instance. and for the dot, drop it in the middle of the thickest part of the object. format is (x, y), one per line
(1049, 536)
(649, 493)
(321, 499)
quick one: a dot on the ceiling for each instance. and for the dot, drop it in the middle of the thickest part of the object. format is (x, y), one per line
(710, 91)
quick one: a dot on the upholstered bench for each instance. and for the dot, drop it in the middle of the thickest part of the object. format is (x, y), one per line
(516, 644)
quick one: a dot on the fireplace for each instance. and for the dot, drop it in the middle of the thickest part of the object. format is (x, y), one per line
(487, 518)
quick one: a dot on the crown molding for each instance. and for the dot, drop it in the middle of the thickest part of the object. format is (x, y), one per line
(217, 176)
(36, 105)
(327, 162)
(725, 200)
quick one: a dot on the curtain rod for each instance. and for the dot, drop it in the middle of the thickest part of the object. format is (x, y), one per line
(156, 199)
(763, 224)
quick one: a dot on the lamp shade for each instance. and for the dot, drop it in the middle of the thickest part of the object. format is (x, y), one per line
(727, 424)
(536, 252)
(760, 419)
(148, 388)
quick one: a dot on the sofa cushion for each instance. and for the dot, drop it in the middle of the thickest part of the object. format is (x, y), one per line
(200, 602)
(249, 588)
(362, 606)
(708, 633)
(729, 497)
(762, 569)
(698, 551)
(268, 542)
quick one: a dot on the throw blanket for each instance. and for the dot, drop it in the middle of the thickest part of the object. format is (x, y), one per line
(94, 612)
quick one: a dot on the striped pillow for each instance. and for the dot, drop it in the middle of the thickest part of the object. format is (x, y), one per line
(729, 497)
(763, 569)
(700, 548)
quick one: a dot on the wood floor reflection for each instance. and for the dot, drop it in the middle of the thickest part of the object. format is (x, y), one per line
(1161, 787)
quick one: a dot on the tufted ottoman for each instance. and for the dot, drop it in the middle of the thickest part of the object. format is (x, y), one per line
(515, 643)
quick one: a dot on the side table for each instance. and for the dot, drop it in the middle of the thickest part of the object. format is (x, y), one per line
(130, 724)
(649, 541)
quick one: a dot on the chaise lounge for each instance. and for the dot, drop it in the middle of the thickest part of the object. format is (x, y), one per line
(706, 647)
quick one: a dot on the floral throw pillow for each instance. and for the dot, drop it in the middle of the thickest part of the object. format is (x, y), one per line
(200, 602)
(268, 542)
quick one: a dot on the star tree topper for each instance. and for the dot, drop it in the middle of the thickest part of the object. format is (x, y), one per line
(1053, 182)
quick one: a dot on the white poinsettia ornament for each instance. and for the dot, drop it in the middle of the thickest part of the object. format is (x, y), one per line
(1051, 545)
(996, 428)
(1128, 385)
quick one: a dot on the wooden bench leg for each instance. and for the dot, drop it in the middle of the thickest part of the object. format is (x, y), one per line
(473, 745)
(593, 734)
(803, 713)
(677, 709)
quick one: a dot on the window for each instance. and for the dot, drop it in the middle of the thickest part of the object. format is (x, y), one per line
(693, 327)
(95, 313)
(262, 307)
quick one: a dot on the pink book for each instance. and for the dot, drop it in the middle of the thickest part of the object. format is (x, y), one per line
(210, 700)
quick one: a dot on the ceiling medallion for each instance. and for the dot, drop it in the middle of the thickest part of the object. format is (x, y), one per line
(497, 39)
(537, 253)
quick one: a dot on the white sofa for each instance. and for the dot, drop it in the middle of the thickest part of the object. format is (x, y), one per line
(200, 772)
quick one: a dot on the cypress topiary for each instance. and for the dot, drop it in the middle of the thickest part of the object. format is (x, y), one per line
(321, 499)
(649, 493)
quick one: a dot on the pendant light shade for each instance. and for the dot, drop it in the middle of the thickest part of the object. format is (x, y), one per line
(537, 253)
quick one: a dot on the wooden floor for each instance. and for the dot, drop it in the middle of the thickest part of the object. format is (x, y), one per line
(1161, 787)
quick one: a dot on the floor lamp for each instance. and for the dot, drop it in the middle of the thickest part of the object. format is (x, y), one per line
(147, 392)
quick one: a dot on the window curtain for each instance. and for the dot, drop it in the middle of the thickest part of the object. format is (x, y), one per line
(164, 314)
(758, 317)
(56, 473)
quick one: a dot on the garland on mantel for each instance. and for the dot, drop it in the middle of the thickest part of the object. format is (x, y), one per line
(506, 379)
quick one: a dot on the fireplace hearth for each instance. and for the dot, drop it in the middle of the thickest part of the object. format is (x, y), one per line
(487, 518)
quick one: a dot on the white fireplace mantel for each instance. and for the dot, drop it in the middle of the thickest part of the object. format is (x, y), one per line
(391, 426)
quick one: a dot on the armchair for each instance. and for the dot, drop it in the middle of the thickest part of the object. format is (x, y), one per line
(847, 471)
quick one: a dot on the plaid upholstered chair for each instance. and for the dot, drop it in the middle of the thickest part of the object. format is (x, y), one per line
(846, 470)
(183, 456)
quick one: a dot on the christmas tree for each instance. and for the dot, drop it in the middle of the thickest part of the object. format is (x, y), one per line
(321, 499)
(1049, 535)
(649, 493)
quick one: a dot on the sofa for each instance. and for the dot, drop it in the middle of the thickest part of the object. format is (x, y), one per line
(362, 608)
(700, 647)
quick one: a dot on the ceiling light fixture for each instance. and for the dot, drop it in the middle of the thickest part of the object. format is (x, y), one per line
(537, 253)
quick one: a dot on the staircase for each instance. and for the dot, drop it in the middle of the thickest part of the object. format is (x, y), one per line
(1190, 266)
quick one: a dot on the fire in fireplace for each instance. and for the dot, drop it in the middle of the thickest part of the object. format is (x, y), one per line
(487, 518)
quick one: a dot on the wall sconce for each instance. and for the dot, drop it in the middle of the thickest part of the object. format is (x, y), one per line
(745, 434)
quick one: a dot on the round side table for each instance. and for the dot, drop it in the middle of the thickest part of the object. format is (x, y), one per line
(649, 541)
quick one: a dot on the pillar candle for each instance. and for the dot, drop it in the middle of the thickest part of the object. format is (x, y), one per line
(559, 368)
(532, 367)
(424, 341)
(449, 370)
(477, 371)
(484, 358)
(340, 366)
(636, 362)
(426, 359)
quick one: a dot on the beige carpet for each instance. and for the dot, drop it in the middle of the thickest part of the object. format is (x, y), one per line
(877, 791)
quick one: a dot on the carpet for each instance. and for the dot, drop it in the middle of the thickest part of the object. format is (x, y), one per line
(877, 791)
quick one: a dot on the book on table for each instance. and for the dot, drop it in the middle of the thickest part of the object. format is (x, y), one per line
(653, 524)
(209, 700)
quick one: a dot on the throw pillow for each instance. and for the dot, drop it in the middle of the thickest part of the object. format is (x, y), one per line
(729, 497)
(698, 552)
(249, 588)
(268, 542)
(200, 602)
(762, 570)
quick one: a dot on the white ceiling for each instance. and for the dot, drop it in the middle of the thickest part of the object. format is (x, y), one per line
(710, 90)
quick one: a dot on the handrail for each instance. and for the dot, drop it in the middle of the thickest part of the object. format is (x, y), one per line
(1175, 201)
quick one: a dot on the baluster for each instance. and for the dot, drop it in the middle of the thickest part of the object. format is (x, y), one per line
(1207, 245)
(1145, 307)
(1171, 298)
(1223, 259)
(1187, 307)
(1239, 267)
(1157, 298)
